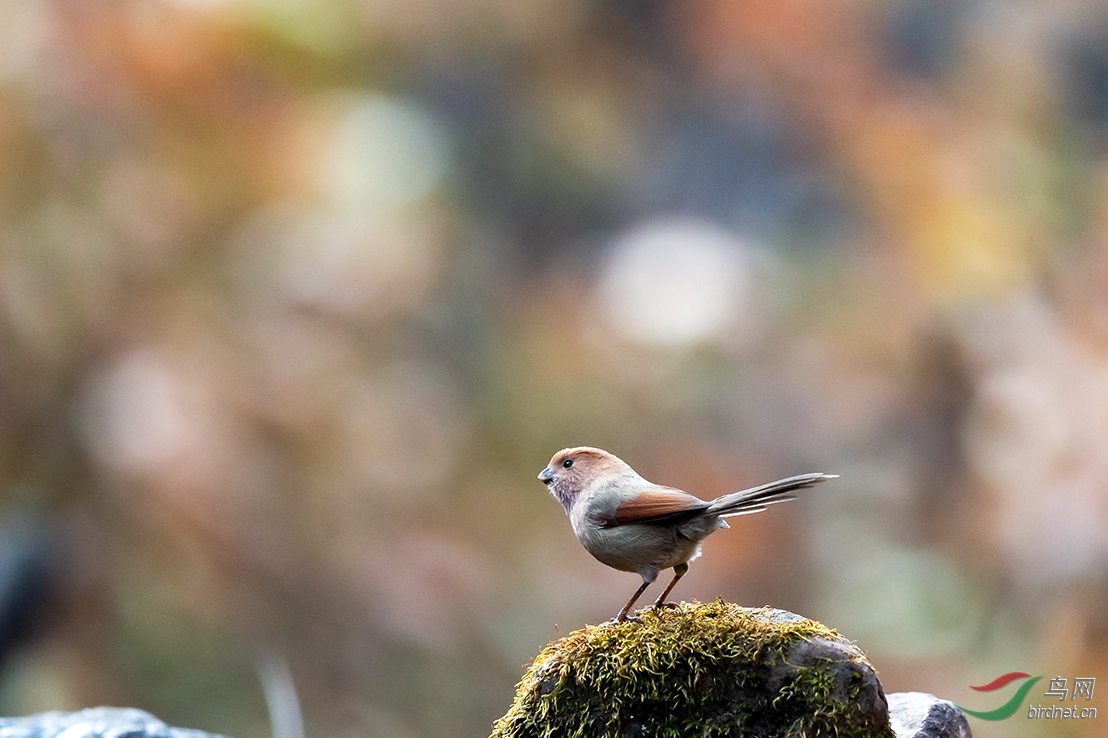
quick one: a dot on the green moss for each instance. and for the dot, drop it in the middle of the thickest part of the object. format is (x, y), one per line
(712, 669)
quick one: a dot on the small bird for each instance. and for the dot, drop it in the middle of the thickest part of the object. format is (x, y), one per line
(631, 524)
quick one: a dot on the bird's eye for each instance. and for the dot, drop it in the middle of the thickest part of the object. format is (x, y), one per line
(567, 463)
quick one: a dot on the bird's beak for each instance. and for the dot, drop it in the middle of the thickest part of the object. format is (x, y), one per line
(546, 476)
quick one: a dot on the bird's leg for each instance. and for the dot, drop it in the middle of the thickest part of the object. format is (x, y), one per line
(648, 577)
(626, 608)
(678, 571)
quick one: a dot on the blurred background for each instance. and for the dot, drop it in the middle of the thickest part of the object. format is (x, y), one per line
(298, 296)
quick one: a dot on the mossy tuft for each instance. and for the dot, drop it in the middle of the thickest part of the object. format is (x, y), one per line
(713, 669)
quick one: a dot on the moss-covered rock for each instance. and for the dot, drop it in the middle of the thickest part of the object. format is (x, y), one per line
(712, 669)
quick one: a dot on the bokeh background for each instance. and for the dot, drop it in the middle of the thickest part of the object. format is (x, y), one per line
(298, 296)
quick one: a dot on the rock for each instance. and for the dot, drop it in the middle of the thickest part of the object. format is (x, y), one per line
(96, 722)
(700, 669)
(922, 715)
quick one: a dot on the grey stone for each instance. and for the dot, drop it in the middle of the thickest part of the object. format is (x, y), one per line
(855, 681)
(922, 715)
(95, 722)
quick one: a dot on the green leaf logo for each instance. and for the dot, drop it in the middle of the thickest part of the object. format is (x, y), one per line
(1008, 708)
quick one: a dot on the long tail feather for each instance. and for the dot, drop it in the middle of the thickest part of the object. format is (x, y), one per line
(756, 499)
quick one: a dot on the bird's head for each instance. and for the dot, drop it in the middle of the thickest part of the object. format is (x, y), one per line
(573, 470)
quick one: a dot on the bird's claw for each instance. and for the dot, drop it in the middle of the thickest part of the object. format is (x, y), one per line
(665, 606)
(624, 618)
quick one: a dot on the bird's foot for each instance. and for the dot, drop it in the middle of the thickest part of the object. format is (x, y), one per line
(665, 605)
(625, 618)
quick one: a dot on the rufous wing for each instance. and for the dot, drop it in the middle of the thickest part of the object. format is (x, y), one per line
(656, 504)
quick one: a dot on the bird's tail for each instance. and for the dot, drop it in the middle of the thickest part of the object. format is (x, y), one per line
(757, 499)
